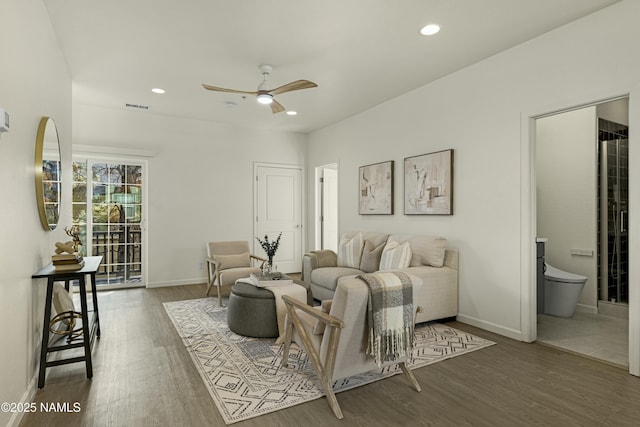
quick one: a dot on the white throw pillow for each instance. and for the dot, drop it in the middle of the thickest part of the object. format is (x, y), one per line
(395, 256)
(350, 251)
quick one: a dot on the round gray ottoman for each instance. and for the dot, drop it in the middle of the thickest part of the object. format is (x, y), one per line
(251, 311)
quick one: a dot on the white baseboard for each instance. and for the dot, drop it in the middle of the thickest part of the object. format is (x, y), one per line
(195, 281)
(28, 397)
(491, 327)
(582, 308)
(612, 309)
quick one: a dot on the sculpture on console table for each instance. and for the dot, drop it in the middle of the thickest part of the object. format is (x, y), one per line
(66, 257)
(74, 233)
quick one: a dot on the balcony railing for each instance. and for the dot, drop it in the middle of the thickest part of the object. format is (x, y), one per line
(121, 250)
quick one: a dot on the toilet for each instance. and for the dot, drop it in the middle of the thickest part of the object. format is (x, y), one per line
(561, 291)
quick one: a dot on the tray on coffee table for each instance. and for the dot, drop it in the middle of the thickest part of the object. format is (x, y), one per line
(272, 279)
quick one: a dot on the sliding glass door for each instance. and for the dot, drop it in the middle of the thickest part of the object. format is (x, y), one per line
(108, 209)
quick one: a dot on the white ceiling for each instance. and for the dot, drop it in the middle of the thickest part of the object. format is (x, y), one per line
(359, 52)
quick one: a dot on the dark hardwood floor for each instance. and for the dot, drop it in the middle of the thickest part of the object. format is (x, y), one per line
(143, 376)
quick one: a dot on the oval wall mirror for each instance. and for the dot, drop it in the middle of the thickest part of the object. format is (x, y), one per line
(48, 173)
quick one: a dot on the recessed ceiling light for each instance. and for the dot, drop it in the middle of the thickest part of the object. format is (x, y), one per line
(292, 113)
(157, 90)
(429, 30)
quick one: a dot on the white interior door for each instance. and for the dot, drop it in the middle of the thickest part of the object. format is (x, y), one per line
(330, 208)
(278, 202)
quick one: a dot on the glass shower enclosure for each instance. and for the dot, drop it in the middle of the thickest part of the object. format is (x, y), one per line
(613, 212)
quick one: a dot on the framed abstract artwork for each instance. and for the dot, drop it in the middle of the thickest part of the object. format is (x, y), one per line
(428, 184)
(376, 189)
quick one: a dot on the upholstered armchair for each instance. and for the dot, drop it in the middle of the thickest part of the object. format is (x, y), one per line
(229, 261)
(336, 340)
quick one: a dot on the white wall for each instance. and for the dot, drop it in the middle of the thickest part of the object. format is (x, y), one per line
(200, 180)
(615, 111)
(567, 189)
(34, 82)
(481, 112)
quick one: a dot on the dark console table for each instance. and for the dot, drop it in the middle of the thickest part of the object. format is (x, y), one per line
(90, 325)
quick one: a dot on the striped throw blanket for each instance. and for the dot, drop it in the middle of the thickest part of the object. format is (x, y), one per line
(390, 315)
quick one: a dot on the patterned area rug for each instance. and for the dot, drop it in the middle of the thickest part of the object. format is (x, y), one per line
(244, 376)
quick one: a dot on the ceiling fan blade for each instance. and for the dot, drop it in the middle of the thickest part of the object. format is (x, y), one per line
(297, 85)
(221, 89)
(276, 107)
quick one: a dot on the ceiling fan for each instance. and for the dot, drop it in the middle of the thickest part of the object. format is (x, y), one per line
(264, 95)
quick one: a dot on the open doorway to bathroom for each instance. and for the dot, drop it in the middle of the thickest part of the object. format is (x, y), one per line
(582, 211)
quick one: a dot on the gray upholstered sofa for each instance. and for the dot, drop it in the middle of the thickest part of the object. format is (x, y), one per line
(428, 258)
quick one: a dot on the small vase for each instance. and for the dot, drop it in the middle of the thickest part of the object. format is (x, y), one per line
(267, 267)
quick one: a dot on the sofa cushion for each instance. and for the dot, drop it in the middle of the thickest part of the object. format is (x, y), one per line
(370, 260)
(426, 250)
(395, 256)
(327, 277)
(349, 251)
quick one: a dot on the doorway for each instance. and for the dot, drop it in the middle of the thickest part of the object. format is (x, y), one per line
(109, 210)
(581, 200)
(327, 207)
(278, 212)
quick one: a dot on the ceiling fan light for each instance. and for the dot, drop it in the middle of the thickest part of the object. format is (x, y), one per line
(265, 98)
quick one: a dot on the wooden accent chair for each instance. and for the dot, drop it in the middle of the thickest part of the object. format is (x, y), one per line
(336, 342)
(228, 262)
